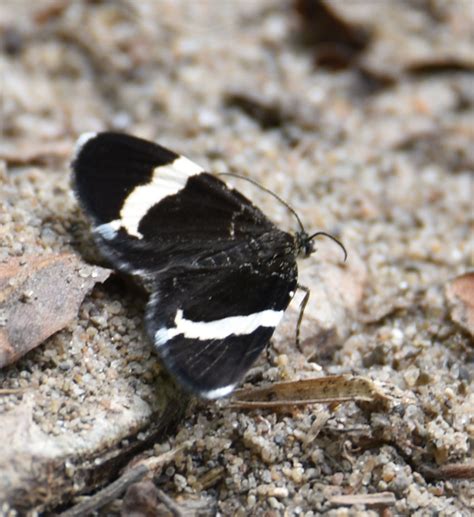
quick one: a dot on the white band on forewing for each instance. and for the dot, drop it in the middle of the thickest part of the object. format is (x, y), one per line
(218, 329)
(167, 180)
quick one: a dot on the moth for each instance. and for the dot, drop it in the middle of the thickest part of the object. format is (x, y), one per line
(221, 273)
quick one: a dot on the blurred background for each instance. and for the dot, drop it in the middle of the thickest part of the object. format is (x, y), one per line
(360, 115)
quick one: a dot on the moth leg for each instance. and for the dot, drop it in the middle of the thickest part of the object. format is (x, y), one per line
(303, 303)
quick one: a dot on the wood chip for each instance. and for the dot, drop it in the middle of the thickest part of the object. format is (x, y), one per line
(38, 297)
(322, 390)
(380, 499)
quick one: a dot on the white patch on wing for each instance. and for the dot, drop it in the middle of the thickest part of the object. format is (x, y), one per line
(217, 329)
(218, 392)
(108, 231)
(166, 181)
(82, 140)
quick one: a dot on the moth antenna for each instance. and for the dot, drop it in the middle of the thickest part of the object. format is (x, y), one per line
(337, 241)
(268, 191)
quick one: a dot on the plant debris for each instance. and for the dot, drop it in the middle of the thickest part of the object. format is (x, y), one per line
(322, 390)
(460, 295)
(338, 39)
(38, 297)
(129, 478)
(450, 471)
(380, 499)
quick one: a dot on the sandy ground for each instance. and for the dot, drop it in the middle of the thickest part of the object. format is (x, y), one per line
(363, 122)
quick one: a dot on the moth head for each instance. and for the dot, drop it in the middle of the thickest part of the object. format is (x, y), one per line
(305, 243)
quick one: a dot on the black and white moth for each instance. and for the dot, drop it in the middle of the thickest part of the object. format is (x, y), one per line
(222, 274)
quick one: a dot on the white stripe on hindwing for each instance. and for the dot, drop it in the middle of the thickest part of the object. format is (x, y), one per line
(217, 329)
(218, 392)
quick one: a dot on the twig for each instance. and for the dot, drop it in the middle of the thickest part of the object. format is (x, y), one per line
(175, 509)
(11, 391)
(115, 489)
(108, 494)
(450, 471)
(380, 499)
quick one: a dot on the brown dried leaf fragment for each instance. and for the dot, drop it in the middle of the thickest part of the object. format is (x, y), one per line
(338, 38)
(460, 295)
(267, 114)
(38, 297)
(322, 390)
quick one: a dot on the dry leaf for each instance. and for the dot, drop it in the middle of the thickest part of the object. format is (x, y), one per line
(460, 295)
(38, 297)
(337, 38)
(337, 388)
